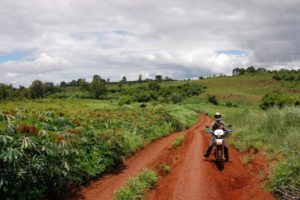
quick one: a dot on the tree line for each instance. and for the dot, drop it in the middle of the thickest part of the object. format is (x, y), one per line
(96, 88)
(282, 74)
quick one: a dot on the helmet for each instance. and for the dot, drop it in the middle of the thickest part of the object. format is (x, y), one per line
(218, 116)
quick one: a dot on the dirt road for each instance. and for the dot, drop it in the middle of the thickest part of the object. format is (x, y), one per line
(191, 178)
(148, 157)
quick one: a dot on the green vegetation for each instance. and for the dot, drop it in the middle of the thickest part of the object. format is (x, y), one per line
(277, 133)
(177, 141)
(287, 75)
(247, 159)
(42, 152)
(279, 100)
(165, 168)
(55, 137)
(137, 186)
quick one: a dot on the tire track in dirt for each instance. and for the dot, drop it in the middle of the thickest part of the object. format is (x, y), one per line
(196, 179)
(148, 157)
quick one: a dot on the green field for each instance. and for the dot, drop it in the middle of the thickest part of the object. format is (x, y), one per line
(67, 139)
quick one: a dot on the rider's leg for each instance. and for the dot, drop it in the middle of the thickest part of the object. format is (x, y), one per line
(226, 153)
(210, 147)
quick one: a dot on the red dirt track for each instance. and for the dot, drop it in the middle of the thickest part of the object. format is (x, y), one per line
(191, 177)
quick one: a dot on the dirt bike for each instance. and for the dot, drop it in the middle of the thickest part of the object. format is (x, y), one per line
(219, 135)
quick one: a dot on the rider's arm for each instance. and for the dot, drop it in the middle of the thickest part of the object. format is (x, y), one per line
(212, 128)
(223, 126)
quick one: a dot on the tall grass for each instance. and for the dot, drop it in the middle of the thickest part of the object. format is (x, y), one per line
(137, 186)
(277, 133)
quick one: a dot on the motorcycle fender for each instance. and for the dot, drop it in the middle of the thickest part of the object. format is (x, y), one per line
(219, 141)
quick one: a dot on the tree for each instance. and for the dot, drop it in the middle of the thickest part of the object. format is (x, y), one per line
(82, 84)
(37, 89)
(238, 71)
(158, 78)
(168, 78)
(140, 78)
(124, 79)
(250, 69)
(261, 70)
(73, 83)
(97, 77)
(4, 91)
(63, 84)
(48, 87)
(98, 88)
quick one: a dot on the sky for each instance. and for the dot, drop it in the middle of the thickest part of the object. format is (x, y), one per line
(70, 39)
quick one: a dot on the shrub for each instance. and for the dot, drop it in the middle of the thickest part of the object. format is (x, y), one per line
(125, 100)
(213, 100)
(177, 98)
(277, 100)
(143, 97)
(230, 104)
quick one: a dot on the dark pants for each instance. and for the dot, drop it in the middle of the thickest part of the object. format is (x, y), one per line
(211, 145)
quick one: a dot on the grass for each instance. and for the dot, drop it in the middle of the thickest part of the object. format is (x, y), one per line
(247, 159)
(277, 133)
(137, 186)
(177, 141)
(165, 168)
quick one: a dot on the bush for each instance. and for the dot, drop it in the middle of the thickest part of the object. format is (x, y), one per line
(177, 98)
(125, 100)
(143, 97)
(213, 100)
(277, 100)
(230, 104)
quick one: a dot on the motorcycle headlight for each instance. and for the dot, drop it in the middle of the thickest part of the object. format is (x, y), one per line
(219, 136)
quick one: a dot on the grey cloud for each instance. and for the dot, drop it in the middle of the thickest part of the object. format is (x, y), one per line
(124, 37)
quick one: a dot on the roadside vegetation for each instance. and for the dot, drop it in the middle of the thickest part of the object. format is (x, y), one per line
(275, 132)
(177, 141)
(165, 168)
(43, 152)
(56, 137)
(137, 186)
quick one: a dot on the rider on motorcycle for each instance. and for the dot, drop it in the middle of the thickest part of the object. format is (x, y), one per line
(218, 124)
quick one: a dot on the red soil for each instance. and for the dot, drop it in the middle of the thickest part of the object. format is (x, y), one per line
(191, 177)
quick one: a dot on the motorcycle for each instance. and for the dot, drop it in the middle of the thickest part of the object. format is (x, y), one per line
(219, 135)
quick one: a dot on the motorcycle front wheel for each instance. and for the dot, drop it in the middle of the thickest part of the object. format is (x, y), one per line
(219, 160)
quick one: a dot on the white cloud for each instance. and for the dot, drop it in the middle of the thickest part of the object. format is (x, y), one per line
(73, 39)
